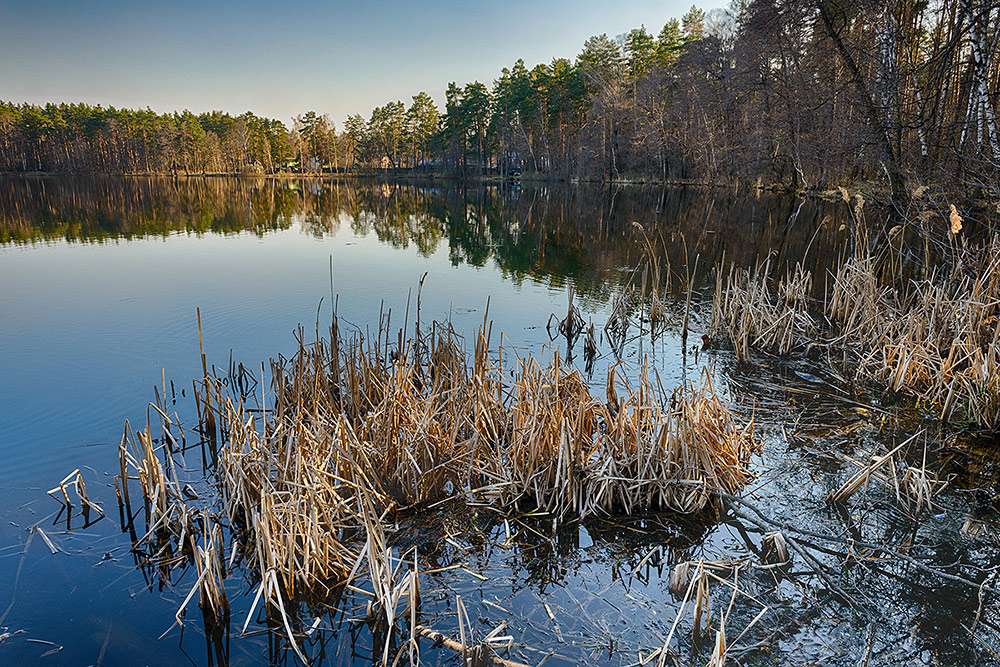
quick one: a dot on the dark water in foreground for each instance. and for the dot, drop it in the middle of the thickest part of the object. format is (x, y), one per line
(100, 283)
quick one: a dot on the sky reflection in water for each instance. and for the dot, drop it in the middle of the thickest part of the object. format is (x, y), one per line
(102, 279)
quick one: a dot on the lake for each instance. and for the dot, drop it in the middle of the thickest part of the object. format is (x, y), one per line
(102, 282)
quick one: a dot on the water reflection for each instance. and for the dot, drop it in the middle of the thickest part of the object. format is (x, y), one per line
(605, 581)
(553, 233)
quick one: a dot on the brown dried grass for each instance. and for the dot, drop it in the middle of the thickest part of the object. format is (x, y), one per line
(750, 314)
(360, 429)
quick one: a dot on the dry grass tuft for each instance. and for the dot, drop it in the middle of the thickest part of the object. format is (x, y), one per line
(361, 428)
(748, 313)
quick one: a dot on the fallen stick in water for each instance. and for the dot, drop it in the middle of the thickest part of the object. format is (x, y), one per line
(861, 478)
(458, 647)
(886, 551)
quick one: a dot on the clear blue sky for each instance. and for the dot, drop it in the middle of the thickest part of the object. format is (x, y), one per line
(280, 59)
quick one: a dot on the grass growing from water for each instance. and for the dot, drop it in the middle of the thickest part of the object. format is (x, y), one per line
(362, 429)
(936, 339)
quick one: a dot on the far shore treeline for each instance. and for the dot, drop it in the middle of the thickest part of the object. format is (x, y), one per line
(766, 92)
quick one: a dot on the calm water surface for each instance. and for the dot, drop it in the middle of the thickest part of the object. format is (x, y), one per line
(101, 280)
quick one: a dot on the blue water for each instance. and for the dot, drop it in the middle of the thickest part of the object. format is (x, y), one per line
(101, 282)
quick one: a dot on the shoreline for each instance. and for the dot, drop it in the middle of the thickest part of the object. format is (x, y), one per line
(876, 192)
(975, 203)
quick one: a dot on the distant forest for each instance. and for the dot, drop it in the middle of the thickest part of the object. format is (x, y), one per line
(801, 93)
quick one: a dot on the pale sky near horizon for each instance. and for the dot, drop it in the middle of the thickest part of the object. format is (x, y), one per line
(282, 59)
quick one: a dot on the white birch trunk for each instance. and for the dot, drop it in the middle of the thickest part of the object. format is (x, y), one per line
(979, 96)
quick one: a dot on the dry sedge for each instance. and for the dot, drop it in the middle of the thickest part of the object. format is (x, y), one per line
(572, 455)
(363, 428)
(937, 339)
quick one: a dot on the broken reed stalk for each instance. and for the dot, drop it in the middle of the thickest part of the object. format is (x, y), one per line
(61, 494)
(861, 478)
(693, 581)
(590, 349)
(689, 288)
(622, 305)
(207, 416)
(571, 326)
(390, 585)
(211, 573)
(656, 306)
(461, 648)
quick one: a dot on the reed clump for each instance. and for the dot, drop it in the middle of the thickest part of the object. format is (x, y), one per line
(858, 301)
(362, 428)
(668, 454)
(553, 422)
(937, 339)
(355, 427)
(572, 455)
(750, 314)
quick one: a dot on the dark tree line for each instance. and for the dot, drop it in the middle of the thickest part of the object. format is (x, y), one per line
(82, 138)
(803, 93)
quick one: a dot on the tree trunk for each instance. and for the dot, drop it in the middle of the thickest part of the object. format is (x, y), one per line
(897, 189)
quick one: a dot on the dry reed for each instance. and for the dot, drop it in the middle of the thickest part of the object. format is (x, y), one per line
(915, 488)
(75, 479)
(937, 339)
(693, 582)
(571, 455)
(750, 315)
(361, 428)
